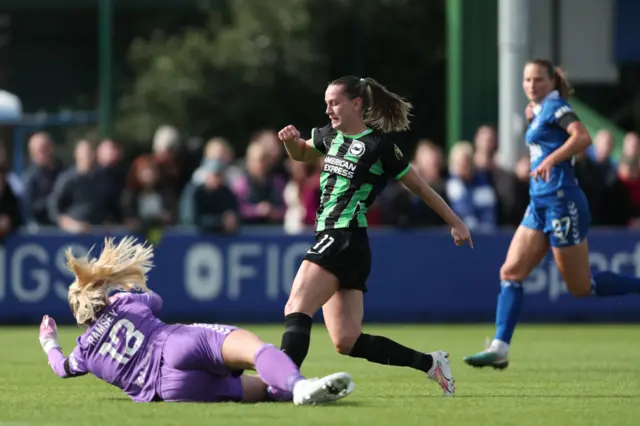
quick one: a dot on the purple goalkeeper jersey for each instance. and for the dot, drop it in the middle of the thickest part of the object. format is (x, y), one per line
(124, 346)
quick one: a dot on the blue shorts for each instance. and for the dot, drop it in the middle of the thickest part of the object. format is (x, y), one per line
(565, 219)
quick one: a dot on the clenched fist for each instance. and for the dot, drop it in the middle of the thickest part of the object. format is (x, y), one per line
(289, 133)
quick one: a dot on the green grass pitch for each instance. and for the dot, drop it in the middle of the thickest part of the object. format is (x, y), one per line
(559, 375)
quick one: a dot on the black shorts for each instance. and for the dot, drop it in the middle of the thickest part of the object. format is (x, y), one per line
(345, 253)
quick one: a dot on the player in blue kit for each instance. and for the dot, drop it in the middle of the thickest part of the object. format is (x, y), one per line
(558, 213)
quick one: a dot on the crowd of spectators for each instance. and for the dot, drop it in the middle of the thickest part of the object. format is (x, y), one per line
(265, 187)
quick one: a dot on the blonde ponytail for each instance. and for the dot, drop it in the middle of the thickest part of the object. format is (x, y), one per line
(122, 266)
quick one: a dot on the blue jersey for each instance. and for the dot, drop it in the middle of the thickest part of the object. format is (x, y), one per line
(475, 202)
(546, 133)
(558, 207)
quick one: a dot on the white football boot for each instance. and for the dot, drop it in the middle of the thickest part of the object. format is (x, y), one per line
(495, 355)
(325, 389)
(440, 372)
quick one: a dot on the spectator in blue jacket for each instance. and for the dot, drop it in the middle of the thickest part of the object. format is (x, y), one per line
(469, 192)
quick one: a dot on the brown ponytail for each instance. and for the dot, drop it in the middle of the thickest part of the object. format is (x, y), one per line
(557, 74)
(562, 85)
(382, 109)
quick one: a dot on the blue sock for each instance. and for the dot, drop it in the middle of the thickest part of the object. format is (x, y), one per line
(508, 309)
(609, 283)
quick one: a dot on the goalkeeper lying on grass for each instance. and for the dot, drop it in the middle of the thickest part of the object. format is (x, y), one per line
(125, 344)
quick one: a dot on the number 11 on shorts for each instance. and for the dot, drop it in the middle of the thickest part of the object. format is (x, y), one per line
(324, 243)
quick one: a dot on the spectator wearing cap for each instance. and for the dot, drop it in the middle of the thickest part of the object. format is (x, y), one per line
(215, 206)
(217, 148)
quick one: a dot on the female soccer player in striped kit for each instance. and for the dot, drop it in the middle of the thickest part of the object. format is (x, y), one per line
(558, 214)
(125, 344)
(359, 158)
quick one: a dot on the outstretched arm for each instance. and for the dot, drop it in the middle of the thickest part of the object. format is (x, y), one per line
(399, 168)
(61, 366)
(421, 189)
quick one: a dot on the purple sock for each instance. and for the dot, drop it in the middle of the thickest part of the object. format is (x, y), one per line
(276, 369)
(277, 395)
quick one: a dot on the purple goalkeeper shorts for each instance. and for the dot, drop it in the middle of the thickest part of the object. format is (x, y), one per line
(192, 367)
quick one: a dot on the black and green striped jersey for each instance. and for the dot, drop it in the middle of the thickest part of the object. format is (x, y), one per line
(356, 169)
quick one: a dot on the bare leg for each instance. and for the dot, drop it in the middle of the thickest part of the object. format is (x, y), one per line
(312, 288)
(573, 264)
(243, 350)
(253, 388)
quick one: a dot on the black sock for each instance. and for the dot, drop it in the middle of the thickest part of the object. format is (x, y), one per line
(296, 337)
(381, 350)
